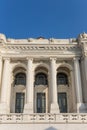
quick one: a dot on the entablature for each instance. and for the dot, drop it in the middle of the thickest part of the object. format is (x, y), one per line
(43, 48)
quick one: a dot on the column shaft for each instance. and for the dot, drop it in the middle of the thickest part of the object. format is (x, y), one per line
(4, 89)
(78, 85)
(53, 86)
(0, 75)
(53, 81)
(84, 77)
(0, 70)
(78, 81)
(29, 88)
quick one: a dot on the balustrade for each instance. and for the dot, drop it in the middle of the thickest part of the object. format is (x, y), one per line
(43, 118)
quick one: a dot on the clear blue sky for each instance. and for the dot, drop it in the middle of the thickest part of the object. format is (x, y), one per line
(47, 18)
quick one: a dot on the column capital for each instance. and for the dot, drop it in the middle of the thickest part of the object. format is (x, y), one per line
(6, 58)
(76, 58)
(52, 58)
(29, 58)
(0, 57)
(85, 54)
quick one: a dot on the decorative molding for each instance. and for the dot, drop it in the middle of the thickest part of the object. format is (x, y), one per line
(2, 38)
(76, 58)
(68, 118)
(29, 58)
(85, 54)
(62, 47)
(82, 35)
(6, 58)
(53, 59)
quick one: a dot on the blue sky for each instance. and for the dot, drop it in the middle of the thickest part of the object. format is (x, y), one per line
(47, 18)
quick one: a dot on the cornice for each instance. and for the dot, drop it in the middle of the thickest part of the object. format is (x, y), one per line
(58, 47)
(42, 50)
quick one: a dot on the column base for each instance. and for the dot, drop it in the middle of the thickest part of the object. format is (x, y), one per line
(28, 108)
(54, 108)
(81, 108)
(4, 109)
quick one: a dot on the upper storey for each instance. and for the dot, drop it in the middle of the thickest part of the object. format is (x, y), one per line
(41, 47)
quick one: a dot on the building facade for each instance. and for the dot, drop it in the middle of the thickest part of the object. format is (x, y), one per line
(43, 81)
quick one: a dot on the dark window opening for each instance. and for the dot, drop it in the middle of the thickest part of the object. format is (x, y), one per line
(62, 101)
(19, 104)
(62, 79)
(20, 79)
(41, 103)
(41, 79)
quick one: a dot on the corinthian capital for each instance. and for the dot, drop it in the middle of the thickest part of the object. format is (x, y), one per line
(29, 58)
(52, 59)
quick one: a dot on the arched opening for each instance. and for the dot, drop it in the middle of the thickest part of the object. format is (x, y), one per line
(41, 90)
(18, 90)
(64, 92)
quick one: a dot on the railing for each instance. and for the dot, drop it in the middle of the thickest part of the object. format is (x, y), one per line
(43, 118)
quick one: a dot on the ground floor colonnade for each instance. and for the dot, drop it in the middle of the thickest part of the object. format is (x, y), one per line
(41, 86)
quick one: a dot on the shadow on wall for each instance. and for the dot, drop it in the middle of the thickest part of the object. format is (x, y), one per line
(51, 128)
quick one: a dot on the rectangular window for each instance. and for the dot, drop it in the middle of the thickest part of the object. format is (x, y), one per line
(62, 101)
(41, 103)
(19, 105)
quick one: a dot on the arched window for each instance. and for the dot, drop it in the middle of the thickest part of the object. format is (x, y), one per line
(62, 79)
(41, 79)
(20, 79)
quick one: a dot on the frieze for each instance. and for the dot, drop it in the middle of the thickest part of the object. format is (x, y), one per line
(43, 47)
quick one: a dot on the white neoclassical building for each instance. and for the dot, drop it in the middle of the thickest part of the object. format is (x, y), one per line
(43, 82)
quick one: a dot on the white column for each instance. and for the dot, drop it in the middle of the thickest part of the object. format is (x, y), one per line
(4, 87)
(54, 108)
(0, 75)
(29, 88)
(84, 78)
(78, 85)
(73, 89)
(84, 71)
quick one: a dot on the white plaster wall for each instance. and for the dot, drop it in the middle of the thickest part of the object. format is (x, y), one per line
(43, 126)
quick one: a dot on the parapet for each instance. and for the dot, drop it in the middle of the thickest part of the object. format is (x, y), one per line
(42, 40)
